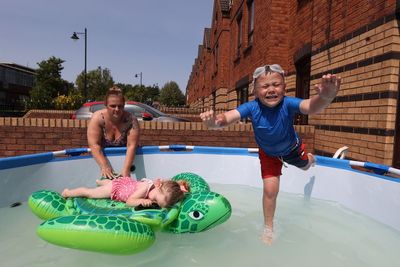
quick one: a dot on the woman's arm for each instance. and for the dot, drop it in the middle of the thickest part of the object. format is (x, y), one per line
(94, 136)
(132, 143)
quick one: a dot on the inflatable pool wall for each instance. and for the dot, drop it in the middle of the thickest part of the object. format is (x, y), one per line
(331, 179)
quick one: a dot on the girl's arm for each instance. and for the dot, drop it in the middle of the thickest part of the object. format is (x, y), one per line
(138, 197)
(140, 201)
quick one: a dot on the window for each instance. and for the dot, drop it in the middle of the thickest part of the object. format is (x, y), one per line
(96, 107)
(250, 9)
(137, 111)
(214, 100)
(242, 95)
(303, 70)
(239, 34)
(216, 55)
(11, 76)
(302, 3)
(2, 97)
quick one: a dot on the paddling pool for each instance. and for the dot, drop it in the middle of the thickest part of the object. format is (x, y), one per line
(363, 205)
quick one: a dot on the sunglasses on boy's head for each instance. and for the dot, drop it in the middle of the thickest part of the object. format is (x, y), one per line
(268, 68)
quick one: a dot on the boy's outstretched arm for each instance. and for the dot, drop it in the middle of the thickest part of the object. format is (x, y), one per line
(326, 92)
(213, 121)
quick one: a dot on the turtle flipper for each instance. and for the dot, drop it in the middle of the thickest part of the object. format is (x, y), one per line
(100, 233)
(48, 204)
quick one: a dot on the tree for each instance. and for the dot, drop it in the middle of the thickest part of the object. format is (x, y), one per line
(49, 84)
(153, 94)
(144, 94)
(134, 93)
(171, 95)
(98, 82)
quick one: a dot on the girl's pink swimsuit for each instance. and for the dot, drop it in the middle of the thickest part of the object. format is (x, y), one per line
(124, 187)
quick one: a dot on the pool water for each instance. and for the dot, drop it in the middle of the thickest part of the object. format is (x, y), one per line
(309, 232)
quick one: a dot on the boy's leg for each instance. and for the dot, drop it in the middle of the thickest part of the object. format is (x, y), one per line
(270, 172)
(300, 158)
(311, 161)
(270, 193)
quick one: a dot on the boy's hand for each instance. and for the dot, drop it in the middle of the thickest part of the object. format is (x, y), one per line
(329, 86)
(211, 120)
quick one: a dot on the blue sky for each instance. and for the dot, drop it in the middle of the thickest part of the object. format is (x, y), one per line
(159, 38)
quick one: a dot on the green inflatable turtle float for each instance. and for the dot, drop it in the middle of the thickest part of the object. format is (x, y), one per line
(108, 226)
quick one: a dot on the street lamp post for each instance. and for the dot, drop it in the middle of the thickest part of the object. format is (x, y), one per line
(139, 75)
(75, 37)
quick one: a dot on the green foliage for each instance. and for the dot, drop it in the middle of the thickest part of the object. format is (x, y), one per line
(98, 82)
(171, 95)
(51, 91)
(49, 84)
(40, 98)
(153, 93)
(72, 101)
(144, 94)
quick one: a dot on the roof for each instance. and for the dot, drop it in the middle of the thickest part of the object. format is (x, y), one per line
(18, 67)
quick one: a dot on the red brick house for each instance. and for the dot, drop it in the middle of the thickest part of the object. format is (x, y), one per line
(356, 39)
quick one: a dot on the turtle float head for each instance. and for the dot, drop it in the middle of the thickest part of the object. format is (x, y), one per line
(200, 211)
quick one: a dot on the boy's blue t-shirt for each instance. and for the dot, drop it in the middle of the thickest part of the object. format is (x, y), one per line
(273, 127)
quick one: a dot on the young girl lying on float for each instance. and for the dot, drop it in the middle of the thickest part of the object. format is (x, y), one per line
(145, 192)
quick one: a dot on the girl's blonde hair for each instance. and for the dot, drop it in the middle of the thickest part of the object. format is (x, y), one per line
(114, 91)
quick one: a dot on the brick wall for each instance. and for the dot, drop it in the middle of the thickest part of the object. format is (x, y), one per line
(270, 42)
(50, 114)
(363, 115)
(20, 136)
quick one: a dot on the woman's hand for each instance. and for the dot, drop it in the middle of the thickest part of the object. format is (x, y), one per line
(107, 172)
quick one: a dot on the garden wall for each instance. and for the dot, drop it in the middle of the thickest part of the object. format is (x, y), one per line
(19, 136)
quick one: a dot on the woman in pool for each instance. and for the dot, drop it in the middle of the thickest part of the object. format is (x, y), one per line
(113, 127)
(145, 192)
